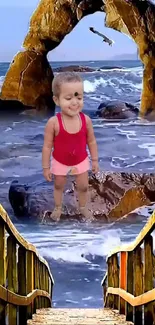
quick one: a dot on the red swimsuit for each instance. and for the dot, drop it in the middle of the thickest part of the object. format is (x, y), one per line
(70, 148)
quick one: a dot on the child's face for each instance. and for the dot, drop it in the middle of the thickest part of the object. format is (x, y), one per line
(70, 99)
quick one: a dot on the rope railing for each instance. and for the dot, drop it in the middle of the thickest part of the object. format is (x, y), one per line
(128, 284)
(26, 282)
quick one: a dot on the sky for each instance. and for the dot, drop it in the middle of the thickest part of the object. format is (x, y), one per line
(80, 44)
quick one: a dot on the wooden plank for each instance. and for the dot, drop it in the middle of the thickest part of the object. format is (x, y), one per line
(138, 282)
(19, 239)
(2, 270)
(12, 277)
(133, 301)
(47, 302)
(148, 278)
(36, 280)
(130, 261)
(116, 279)
(15, 299)
(123, 280)
(110, 298)
(22, 283)
(30, 280)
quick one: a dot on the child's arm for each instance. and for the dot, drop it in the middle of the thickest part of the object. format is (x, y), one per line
(47, 148)
(92, 145)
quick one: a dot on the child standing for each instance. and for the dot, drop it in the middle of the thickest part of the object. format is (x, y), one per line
(66, 137)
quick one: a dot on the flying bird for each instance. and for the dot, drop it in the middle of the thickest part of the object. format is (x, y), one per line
(105, 38)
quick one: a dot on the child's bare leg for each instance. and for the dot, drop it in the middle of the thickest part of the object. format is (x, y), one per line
(59, 183)
(82, 189)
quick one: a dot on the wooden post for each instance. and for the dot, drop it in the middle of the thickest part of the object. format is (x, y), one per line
(48, 304)
(12, 277)
(40, 282)
(36, 280)
(130, 261)
(30, 280)
(2, 270)
(22, 283)
(116, 279)
(138, 282)
(123, 280)
(148, 278)
(110, 300)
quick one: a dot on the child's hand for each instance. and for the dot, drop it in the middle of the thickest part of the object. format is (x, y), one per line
(47, 174)
(95, 166)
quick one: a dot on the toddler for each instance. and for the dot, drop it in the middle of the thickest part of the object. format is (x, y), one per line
(66, 138)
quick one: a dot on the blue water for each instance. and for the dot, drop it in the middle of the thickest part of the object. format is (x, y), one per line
(76, 252)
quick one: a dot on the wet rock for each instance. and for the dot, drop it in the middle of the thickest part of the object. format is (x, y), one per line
(75, 68)
(110, 67)
(111, 196)
(137, 24)
(117, 110)
(28, 81)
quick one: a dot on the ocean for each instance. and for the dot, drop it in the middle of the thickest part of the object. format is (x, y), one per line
(77, 252)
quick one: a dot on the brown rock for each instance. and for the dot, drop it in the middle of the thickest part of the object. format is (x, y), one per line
(29, 81)
(139, 24)
(111, 196)
(29, 77)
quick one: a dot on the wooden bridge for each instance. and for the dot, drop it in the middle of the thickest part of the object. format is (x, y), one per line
(26, 284)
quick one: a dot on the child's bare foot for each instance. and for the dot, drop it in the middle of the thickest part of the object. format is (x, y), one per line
(56, 214)
(87, 214)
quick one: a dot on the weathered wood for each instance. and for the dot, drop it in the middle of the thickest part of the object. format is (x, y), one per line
(15, 299)
(22, 283)
(47, 287)
(130, 261)
(110, 299)
(30, 280)
(20, 240)
(2, 270)
(133, 301)
(12, 277)
(138, 282)
(36, 280)
(116, 279)
(40, 283)
(56, 316)
(148, 278)
(123, 280)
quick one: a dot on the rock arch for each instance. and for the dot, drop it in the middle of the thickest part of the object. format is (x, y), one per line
(29, 77)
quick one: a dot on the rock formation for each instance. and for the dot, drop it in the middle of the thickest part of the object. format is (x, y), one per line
(111, 196)
(29, 77)
(117, 110)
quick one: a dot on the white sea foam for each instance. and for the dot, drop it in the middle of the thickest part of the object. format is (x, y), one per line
(1, 81)
(74, 246)
(150, 147)
(90, 87)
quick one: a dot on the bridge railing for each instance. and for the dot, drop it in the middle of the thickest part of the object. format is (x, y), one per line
(25, 279)
(129, 282)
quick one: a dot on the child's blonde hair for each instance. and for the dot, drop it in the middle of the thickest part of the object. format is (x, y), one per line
(64, 77)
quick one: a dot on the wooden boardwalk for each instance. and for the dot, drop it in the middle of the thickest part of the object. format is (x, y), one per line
(56, 316)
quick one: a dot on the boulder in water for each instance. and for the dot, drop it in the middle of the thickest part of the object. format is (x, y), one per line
(117, 110)
(111, 196)
(74, 68)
